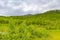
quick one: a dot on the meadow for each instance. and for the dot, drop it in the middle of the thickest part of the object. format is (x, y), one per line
(45, 26)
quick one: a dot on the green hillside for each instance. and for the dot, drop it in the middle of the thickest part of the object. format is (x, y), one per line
(45, 26)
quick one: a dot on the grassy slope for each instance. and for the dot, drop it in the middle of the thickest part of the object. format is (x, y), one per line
(44, 26)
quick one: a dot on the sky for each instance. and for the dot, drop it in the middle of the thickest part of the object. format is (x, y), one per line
(24, 7)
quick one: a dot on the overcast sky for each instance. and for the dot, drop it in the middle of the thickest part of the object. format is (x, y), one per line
(23, 7)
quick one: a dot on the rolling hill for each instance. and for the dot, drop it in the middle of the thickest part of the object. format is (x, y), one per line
(44, 26)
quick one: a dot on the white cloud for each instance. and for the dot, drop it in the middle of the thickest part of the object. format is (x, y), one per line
(31, 7)
(19, 7)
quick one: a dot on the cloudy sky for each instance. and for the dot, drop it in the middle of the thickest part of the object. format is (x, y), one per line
(23, 7)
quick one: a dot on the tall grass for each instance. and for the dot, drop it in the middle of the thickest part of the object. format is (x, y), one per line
(32, 27)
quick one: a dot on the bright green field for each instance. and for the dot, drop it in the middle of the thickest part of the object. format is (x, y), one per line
(44, 26)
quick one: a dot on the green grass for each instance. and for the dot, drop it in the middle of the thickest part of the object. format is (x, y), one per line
(44, 26)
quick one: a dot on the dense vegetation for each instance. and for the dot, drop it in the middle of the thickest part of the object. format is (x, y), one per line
(31, 27)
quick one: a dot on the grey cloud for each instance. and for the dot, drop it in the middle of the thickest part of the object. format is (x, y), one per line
(23, 7)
